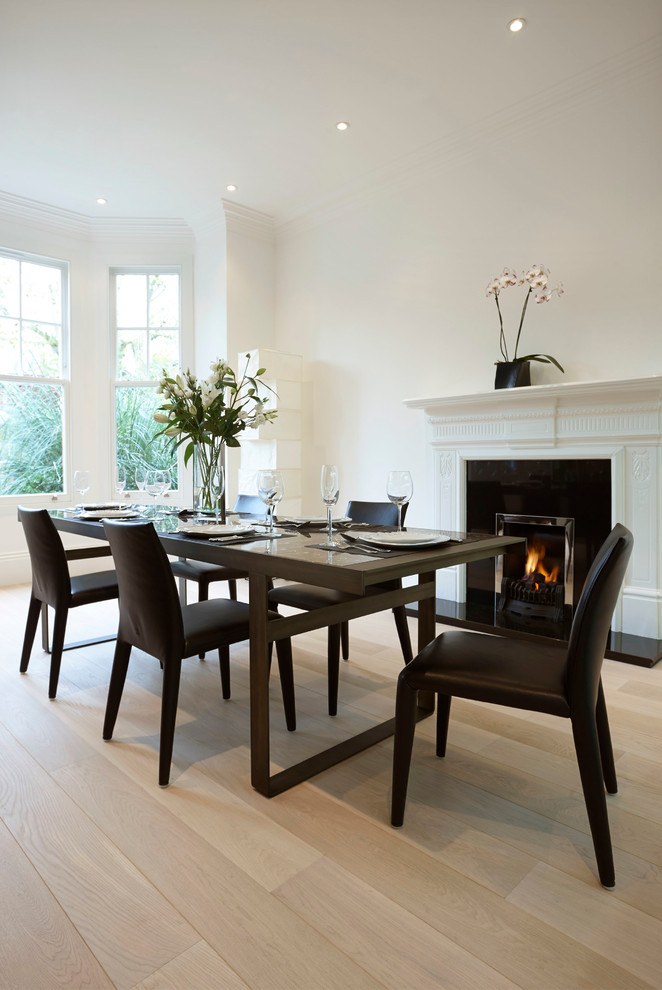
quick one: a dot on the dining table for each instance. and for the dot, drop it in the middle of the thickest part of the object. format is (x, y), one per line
(371, 577)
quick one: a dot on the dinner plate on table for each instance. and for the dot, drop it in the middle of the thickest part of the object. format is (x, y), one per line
(215, 529)
(97, 506)
(405, 540)
(109, 514)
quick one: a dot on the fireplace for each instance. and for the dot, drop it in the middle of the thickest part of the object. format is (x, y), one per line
(536, 581)
(588, 451)
(564, 504)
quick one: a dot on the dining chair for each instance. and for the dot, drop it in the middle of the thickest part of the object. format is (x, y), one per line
(203, 574)
(153, 619)
(308, 597)
(543, 678)
(53, 585)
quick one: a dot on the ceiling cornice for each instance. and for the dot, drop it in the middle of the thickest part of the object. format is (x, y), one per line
(536, 111)
(244, 220)
(77, 225)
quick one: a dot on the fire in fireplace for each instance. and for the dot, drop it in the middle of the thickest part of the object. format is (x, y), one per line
(536, 581)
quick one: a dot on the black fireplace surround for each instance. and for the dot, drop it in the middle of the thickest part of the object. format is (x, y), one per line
(579, 489)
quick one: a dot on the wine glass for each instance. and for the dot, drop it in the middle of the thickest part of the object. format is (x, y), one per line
(141, 477)
(120, 480)
(399, 488)
(82, 482)
(155, 485)
(330, 489)
(271, 488)
(217, 487)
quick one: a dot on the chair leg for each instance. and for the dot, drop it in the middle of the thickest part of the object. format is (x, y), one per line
(333, 665)
(45, 645)
(116, 686)
(203, 595)
(604, 737)
(172, 669)
(443, 714)
(34, 610)
(232, 589)
(344, 639)
(59, 629)
(405, 724)
(224, 663)
(587, 747)
(286, 671)
(400, 616)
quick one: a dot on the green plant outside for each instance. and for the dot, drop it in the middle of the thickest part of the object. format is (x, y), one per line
(30, 438)
(136, 434)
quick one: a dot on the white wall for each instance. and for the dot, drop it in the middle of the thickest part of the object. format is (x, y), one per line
(386, 300)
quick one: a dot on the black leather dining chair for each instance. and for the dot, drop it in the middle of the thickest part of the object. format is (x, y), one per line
(541, 678)
(52, 585)
(153, 619)
(203, 574)
(308, 597)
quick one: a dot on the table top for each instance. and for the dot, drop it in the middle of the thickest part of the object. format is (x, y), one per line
(294, 556)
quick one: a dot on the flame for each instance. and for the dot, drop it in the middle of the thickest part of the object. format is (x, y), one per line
(534, 563)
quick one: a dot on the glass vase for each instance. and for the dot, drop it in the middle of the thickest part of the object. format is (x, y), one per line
(206, 459)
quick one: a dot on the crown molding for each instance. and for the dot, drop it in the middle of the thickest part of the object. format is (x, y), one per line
(245, 220)
(31, 213)
(535, 112)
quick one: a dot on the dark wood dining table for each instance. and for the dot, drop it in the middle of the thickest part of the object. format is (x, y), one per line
(295, 557)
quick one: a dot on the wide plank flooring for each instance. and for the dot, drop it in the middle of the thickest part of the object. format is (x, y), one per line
(109, 881)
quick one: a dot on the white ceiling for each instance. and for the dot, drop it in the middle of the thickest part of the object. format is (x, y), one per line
(157, 104)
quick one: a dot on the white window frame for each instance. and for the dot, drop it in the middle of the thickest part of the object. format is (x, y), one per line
(64, 381)
(116, 382)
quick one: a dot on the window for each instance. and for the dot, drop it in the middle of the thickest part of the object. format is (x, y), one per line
(145, 314)
(33, 372)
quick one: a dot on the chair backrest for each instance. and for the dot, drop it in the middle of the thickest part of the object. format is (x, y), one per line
(50, 571)
(592, 621)
(378, 513)
(150, 613)
(250, 507)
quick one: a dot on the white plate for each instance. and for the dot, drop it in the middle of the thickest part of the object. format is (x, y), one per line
(110, 514)
(97, 506)
(212, 529)
(422, 538)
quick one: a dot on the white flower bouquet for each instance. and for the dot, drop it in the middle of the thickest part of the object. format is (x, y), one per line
(207, 413)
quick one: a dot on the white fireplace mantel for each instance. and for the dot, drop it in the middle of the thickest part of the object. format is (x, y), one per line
(619, 420)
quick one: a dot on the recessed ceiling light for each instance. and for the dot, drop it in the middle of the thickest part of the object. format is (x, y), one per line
(517, 24)
(101, 201)
(231, 188)
(342, 125)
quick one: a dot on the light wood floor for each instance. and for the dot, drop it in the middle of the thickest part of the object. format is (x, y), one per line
(108, 881)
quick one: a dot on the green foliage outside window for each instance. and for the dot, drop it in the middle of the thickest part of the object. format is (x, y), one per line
(30, 438)
(136, 446)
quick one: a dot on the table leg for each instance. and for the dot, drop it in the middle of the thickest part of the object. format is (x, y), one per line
(259, 683)
(426, 633)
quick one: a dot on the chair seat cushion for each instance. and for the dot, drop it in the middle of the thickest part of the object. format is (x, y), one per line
(99, 586)
(309, 596)
(198, 570)
(493, 669)
(214, 623)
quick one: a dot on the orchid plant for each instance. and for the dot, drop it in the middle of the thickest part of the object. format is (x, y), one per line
(536, 279)
(207, 413)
